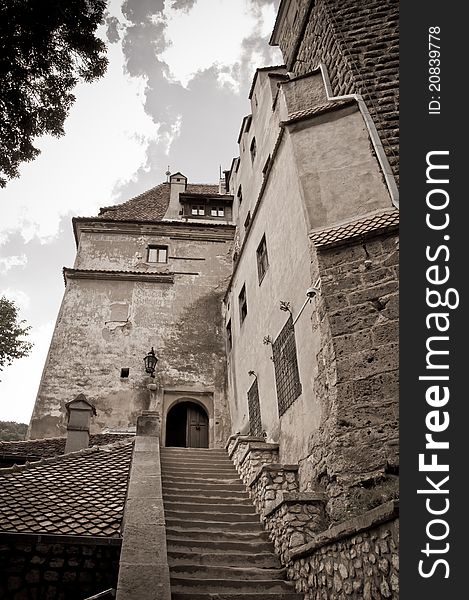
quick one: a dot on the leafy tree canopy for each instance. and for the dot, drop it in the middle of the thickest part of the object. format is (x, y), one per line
(46, 48)
(11, 333)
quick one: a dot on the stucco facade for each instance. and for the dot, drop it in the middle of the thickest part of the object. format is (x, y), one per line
(118, 304)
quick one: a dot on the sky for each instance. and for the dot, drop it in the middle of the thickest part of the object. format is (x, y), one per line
(175, 92)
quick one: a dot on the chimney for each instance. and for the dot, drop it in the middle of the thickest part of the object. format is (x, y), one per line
(178, 184)
(78, 427)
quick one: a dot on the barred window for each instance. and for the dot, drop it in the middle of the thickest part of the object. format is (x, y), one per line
(254, 409)
(287, 377)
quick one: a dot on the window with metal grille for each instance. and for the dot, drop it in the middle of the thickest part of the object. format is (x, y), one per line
(287, 377)
(157, 254)
(254, 408)
(262, 259)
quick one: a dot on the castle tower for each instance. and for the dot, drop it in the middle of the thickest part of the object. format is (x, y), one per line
(150, 272)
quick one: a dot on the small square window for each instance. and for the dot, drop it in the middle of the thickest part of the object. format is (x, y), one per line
(157, 254)
(243, 304)
(262, 259)
(198, 209)
(125, 373)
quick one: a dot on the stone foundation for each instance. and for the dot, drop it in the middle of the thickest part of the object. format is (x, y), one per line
(357, 560)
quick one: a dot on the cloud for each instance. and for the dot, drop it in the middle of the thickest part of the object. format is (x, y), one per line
(8, 262)
(183, 4)
(196, 67)
(112, 31)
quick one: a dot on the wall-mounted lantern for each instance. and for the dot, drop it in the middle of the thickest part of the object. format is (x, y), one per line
(150, 361)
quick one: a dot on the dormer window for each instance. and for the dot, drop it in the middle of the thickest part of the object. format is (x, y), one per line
(157, 254)
(253, 149)
(198, 210)
(217, 211)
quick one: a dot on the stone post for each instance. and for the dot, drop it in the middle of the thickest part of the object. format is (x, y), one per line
(143, 568)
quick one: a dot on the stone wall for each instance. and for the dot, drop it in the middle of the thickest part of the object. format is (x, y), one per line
(358, 560)
(249, 453)
(46, 570)
(354, 454)
(359, 44)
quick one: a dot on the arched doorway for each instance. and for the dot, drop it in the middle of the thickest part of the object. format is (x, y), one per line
(187, 426)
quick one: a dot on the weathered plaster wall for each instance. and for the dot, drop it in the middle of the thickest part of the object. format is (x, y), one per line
(359, 44)
(340, 177)
(106, 324)
(281, 218)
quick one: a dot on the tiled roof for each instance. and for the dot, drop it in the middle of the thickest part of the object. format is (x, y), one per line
(380, 222)
(318, 110)
(152, 204)
(80, 493)
(47, 447)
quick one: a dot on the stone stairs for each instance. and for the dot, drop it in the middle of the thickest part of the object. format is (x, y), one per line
(217, 549)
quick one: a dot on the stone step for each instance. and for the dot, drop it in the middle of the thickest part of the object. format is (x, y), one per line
(193, 452)
(227, 573)
(201, 486)
(214, 535)
(237, 596)
(182, 524)
(243, 545)
(233, 559)
(210, 461)
(244, 507)
(215, 477)
(220, 586)
(209, 516)
(190, 470)
(214, 498)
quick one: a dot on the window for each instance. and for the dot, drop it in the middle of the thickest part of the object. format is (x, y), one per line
(262, 259)
(253, 149)
(217, 211)
(287, 377)
(157, 254)
(243, 304)
(247, 221)
(240, 195)
(198, 209)
(254, 409)
(125, 373)
(229, 336)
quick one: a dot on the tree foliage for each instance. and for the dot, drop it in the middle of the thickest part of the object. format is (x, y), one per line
(10, 431)
(11, 333)
(46, 48)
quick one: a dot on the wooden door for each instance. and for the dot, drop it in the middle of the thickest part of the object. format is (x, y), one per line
(197, 427)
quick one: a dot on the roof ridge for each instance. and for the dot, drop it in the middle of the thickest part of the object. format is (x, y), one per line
(59, 457)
